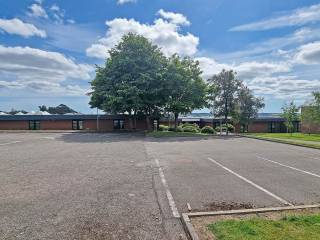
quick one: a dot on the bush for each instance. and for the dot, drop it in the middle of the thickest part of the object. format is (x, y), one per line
(224, 128)
(192, 129)
(163, 128)
(194, 125)
(179, 129)
(208, 129)
(171, 129)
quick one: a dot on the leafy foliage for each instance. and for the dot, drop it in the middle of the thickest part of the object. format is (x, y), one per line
(310, 113)
(163, 128)
(132, 79)
(225, 127)
(208, 129)
(290, 114)
(223, 92)
(247, 106)
(186, 88)
(60, 109)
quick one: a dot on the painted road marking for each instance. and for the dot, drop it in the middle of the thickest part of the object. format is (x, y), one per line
(172, 204)
(8, 143)
(252, 183)
(287, 166)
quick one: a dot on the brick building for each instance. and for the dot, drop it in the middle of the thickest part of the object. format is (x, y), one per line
(264, 123)
(68, 122)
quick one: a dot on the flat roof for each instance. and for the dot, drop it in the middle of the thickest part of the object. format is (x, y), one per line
(58, 117)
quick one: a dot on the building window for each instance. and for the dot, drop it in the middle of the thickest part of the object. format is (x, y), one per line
(34, 125)
(77, 124)
(118, 124)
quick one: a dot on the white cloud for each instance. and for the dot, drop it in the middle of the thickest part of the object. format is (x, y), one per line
(162, 32)
(309, 54)
(39, 69)
(210, 67)
(245, 70)
(120, 2)
(16, 26)
(36, 10)
(284, 87)
(57, 13)
(252, 69)
(297, 17)
(176, 18)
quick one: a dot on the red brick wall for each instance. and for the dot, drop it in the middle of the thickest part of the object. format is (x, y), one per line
(14, 125)
(258, 127)
(310, 128)
(56, 125)
(104, 125)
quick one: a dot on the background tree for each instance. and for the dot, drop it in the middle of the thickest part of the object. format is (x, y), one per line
(248, 106)
(223, 91)
(43, 108)
(290, 114)
(131, 82)
(186, 89)
(310, 113)
(60, 109)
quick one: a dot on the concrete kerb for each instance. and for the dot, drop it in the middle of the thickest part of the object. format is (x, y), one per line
(186, 217)
(279, 141)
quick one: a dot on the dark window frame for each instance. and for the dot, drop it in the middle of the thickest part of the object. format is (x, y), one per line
(34, 125)
(118, 124)
(77, 124)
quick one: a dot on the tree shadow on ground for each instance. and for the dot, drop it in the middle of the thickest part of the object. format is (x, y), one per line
(105, 137)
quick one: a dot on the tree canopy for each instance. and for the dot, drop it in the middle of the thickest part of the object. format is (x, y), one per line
(186, 89)
(138, 79)
(60, 109)
(290, 114)
(247, 107)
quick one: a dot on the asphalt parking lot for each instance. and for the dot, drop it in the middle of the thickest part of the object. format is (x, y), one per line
(126, 186)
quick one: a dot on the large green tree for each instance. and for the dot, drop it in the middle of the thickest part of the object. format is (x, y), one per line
(290, 114)
(223, 92)
(186, 89)
(131, 81)
(248, 106)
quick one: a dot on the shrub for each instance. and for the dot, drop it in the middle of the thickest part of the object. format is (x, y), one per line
(224, 128)
(163, 128)
(192, 129)
(179, 129)
(208, 129)
(194, 125)
(171, 129)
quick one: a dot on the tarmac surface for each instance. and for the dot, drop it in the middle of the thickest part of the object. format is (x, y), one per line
(126, 186)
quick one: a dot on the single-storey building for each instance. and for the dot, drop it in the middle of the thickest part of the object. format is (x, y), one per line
(264, 122)
(68, 122)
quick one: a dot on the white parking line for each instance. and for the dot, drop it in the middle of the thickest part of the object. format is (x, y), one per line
(287, 166)
(8, 143)
(252, 183)
(172, 204)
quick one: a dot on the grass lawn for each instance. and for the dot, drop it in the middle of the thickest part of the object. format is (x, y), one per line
(300, 139)
(294, 136)
(299, 227)
(159, 134)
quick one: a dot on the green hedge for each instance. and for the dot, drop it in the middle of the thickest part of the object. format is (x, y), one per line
(208, 129)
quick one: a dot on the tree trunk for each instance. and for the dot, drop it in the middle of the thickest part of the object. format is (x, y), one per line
(130, 121)
(148, 123)
(226, 123)
(176, 115)
(226, 116)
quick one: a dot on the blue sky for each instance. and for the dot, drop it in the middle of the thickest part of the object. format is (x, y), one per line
(48, 49)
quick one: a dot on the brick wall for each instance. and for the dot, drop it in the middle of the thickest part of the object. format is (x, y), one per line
(258, 127)
(14, 125)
